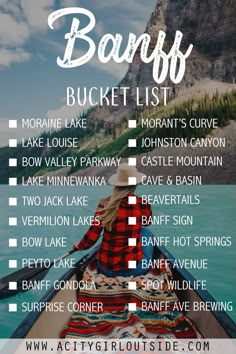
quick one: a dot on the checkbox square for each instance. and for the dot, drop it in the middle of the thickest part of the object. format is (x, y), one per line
(132, 220)
(132, 306)
(132, 161)
(12, 242)
(12, 143)
(12, 181)
(12, 285)
(12, 201)
(12, 263)
(132, 181)
(132, 200)
(12, 123)
(132, 143)
(12, 221)
(132, 264)
(12, 162)
(132, 242)
(132, 285)
(132, 123)
(12, 307)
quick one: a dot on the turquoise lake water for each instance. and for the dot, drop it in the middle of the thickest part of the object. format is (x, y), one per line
(214, 216)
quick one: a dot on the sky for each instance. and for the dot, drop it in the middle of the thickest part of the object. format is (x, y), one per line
(32, 85)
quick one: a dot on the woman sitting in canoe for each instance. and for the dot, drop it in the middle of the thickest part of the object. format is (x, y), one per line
(120, 218)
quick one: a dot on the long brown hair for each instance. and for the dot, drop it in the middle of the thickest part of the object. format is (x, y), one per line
(111, 205)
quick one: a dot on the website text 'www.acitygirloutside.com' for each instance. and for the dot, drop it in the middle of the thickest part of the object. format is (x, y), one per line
(120, 346)
(129, 345)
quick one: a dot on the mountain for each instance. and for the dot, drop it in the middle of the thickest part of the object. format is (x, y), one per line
(209, 25)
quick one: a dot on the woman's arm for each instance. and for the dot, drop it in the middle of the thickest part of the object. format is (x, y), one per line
(93, 233)
(147, 211)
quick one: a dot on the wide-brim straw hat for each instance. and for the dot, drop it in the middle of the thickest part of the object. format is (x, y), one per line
(126, 176)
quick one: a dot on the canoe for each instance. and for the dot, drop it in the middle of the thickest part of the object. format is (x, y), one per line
(210, 324)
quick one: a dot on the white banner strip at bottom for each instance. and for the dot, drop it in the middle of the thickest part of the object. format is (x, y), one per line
(121, 346)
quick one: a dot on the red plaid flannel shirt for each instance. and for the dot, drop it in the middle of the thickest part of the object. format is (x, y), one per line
(115, 252)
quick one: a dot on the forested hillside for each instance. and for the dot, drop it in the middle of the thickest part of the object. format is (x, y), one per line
(109, 139)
